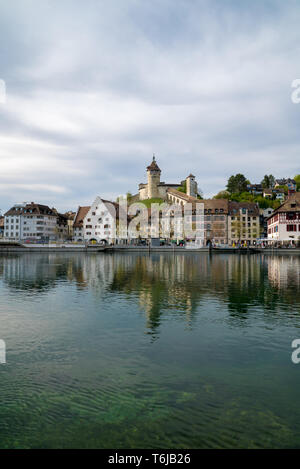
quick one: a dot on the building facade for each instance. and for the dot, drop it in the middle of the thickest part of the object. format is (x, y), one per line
(30, 221)
(243, 223)
(1, 227)
(96, 223)
(284, 223)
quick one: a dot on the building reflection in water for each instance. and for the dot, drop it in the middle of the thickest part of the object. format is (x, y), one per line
(163, 284)
(283, 271)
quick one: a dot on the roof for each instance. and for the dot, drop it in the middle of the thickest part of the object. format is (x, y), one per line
(181, 195)
(283, 182)
(35, 209)
(249, 206)
(153, 166)
(81, 213)
(292, 204)
(112, 207)
(216, 204)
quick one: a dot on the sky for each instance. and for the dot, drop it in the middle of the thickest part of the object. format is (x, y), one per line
(94, 88)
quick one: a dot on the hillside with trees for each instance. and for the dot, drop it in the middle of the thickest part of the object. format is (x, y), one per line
(236, 190)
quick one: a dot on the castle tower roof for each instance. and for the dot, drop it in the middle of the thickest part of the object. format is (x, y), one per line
(153, 166)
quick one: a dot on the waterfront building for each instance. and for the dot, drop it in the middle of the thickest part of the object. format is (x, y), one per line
(70, 221)
(30, 221)
(1, 227)
(243, 223)
(96, 223)
(284, 223)
(78, 225)
(264, 214)
(63, 227)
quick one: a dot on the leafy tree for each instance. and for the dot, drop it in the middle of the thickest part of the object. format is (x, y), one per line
(285, 188)
(268, 182)
(222, 195)
(237, 184)
(182, 188)
(297, 179)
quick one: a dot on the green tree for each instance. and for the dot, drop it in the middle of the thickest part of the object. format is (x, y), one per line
(222, 195)
(237, 184)
(268, 181)
(297, 179)
(182, 188)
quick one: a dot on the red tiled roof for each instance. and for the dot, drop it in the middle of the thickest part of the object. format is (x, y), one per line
(181, 195)
(81, 213)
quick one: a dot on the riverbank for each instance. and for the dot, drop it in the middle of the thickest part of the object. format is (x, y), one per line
(39, 248)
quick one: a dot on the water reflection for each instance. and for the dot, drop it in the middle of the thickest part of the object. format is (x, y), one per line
(163, 284)
(212, 370)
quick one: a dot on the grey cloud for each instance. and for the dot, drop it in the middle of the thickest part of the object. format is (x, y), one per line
(95, 87)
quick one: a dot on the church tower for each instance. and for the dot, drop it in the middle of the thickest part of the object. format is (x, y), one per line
(153, 173)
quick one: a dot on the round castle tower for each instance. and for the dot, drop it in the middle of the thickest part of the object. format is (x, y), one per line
(191, 186)
(153, 173)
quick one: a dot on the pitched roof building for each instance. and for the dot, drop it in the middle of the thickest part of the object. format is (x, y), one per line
(30, 220)
(284, 223)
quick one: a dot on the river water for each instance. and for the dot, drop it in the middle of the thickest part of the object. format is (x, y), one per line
(149, 351)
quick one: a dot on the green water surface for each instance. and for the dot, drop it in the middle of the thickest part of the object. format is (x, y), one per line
(149, 351)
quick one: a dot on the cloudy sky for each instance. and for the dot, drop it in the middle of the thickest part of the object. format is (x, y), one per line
(94, 88)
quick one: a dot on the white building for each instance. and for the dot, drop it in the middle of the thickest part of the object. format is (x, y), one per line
(30, 221)
(97, 222)
(284, 223)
